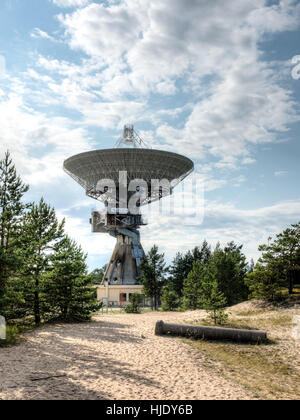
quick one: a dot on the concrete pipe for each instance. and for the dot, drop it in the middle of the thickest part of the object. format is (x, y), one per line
(211, 333)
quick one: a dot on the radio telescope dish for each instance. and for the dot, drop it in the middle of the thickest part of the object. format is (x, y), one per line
(146, 164)
(154, 173)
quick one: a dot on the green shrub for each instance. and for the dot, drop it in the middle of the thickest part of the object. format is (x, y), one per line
(218, 316)
(135, 304)
(170, 300)
(214, 302)
(12, 335)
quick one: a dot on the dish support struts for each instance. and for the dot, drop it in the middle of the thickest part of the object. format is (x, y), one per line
(123, 267)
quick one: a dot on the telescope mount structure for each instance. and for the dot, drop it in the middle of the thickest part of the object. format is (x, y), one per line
(125, 178)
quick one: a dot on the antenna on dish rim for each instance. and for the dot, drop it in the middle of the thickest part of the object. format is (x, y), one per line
(131, 138)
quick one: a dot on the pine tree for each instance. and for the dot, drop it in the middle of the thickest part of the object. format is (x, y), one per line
(98, 274)
(192, 286)
(231, 269)
(40, 230)
(153, 268)
(283, 254)
(205, 251)
(278, 266)
(178, 273)
(12, 190)
(201, 290)
(69, 292)
(214, 302)
(183, 264)
(170, 299)
(264, 283)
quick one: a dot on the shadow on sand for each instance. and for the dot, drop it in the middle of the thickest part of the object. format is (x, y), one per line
(74, 350)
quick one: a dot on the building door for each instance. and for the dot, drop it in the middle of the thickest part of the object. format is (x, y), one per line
(122, 299)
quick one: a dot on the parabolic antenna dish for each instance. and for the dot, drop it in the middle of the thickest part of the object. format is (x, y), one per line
(146, 164)
(126, 178)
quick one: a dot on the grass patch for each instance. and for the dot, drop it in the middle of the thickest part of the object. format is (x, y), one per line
(15, 329)
(263, 323)
(238, 325)
(179, 309)
(251, 313)
(251, 367)
(269, 371)
(249, 322)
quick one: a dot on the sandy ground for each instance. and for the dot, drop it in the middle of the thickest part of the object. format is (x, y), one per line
(115, 357)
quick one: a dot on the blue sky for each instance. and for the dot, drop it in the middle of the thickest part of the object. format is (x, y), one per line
(211, 80)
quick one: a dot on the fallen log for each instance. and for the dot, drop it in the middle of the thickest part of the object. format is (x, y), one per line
(211, 333)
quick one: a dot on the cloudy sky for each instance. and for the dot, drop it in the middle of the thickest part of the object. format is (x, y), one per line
(217, 81)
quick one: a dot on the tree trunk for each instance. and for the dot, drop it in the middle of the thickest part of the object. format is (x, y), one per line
(211, 333)
(37, 315)
(215, 317)
(291, 282)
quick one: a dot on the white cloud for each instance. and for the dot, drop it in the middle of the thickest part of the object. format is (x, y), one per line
(39, 144)
(2, 66)
(102, 31)
(280, 17)
(139, 48)
(162, 40)
(237, 182)
(80, 90)
(248, 161)
(80, 230)
(70, 3)
(38, 33)
(247, 107)
(280, 173)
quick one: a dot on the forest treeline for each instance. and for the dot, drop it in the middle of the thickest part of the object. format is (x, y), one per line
(43, 272)
(211, 279)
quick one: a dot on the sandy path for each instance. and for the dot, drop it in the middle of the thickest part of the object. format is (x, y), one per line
(116, 357)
